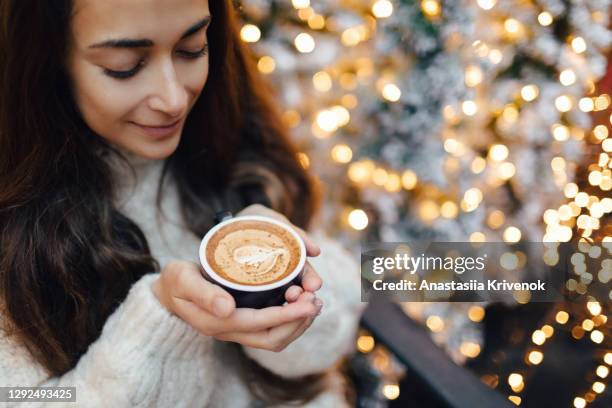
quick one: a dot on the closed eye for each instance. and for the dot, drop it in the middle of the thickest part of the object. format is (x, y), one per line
(133, 71)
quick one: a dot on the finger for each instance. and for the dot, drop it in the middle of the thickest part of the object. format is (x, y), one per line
(293, 293)
(253, 320)
(193, 287)
(276, 338)
(312, 249)
(269, 339)
(311, 281)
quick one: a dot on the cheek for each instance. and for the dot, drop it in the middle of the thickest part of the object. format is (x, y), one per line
(195, 77)
(102, 103)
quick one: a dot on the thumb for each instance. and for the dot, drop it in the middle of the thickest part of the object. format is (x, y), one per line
(216, 300)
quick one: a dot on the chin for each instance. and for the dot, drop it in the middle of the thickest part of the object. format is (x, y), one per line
(157, 150)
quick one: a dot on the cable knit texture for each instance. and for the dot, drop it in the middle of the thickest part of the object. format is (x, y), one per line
(147, 357)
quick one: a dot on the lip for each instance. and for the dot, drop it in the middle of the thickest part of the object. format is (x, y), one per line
(159, 131)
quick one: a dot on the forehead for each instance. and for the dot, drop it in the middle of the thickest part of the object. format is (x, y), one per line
(158, 20)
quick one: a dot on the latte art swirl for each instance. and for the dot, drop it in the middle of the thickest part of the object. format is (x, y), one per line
(253, 252)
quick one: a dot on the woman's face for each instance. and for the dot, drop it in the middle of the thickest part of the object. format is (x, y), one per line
(137, 68)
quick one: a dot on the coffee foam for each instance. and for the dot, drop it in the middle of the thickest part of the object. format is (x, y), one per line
(253, 252)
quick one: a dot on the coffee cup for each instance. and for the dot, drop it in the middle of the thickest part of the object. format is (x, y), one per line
(254, 258)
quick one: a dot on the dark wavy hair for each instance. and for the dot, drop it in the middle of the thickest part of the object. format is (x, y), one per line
(67, 256)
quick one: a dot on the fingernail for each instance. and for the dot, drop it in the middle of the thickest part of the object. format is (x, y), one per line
(221, 306)
(318, 303)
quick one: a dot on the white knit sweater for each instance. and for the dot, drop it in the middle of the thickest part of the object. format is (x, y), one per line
(147, 357)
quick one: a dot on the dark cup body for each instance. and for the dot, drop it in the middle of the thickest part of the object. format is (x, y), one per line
(261, 299)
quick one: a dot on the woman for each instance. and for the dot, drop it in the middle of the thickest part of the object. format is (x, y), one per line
(124, 127)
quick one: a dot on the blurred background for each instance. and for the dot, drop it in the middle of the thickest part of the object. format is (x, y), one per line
(473, 121)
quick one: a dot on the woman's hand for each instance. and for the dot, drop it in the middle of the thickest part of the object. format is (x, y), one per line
(212, 311)
(311, 281)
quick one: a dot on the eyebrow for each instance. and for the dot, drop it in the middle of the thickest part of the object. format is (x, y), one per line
(139, 43)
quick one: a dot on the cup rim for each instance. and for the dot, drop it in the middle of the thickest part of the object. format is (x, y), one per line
(251, 288)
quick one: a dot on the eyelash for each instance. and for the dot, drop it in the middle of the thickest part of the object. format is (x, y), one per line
(133, 71)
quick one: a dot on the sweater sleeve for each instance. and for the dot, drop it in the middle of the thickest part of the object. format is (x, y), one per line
(132, 363)
(332, 334)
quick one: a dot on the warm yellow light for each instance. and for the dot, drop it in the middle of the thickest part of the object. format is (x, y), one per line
(496, 219)
(535, 357)
(327, 120)
(434, 323)
(545, 18)
(300, 4)
(478, 165)
(391, 92)
(473, 75)
(316, 22)
(469, 349)
(557, 164)
(567, 77)
(560, 132)
(515, 380)
(538, 337)
(487, 4)
(512, 234)
(303, 159)
(602, 371)
(579, 402)
(391, 391)
(394, 183)
(529, 92)
(360, 171)
(409, 179)
(341, 153)
(266, 64)
(515, 399)
(304, 43)
(510, 113)
(305, 13)
(599, 387)
(250, 33)
(322, 81)
(431, 8)
(449, 209)
(562, 317)
(570, 190)
(587, 324)
(602, 102)
(476, 313)
(563, 103)
(351, 36)
(429, 210)
(358, 219)
(380, 176)
(579, 45)
(600, 132)
(512, 26)
(365, 344)
(586, 104)
(597, 336)
(548, 330)
(495, 56)
(477, 237)
(594, 308)
(382, 9)
(498, 152)
(469, 107)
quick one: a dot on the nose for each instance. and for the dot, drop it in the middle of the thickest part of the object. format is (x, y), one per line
(170, 96)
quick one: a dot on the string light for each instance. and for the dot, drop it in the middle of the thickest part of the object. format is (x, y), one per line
(304, 43)
(358, 219)
(382, 9)
(250, 33)
(545, 18)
